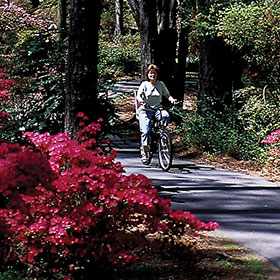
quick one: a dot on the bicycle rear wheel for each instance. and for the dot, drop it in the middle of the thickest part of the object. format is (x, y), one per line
(165, 154)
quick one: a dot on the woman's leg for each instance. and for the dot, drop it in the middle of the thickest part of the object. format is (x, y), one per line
(145, 118)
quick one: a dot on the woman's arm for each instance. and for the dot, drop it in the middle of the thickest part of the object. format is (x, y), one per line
(141, 93)
(167, 94)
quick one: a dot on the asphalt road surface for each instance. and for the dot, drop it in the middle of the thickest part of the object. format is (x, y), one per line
(246, 207)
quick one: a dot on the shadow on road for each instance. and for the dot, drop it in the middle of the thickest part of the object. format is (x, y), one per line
(246, 207)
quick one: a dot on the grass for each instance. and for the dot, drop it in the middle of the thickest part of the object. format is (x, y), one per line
(215, 258)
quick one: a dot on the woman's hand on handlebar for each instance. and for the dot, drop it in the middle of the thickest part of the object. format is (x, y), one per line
(172, 100)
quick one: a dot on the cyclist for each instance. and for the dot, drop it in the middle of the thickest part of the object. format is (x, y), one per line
(149, 98)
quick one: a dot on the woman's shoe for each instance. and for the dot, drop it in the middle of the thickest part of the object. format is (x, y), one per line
(144, 158)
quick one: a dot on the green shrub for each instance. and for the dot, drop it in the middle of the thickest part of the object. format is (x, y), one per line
(239, 130)
(37, 102)
(116, 60)
(258, 116)
(13, 273)
(212, 132)
(253, 29)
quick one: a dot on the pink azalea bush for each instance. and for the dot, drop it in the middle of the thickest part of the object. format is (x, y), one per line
(15, 18)
(66, 205)
(273, 140)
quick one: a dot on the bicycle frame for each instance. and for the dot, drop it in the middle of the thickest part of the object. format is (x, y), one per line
(159, 140)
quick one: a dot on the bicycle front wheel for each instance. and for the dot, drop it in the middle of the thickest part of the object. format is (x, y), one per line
(165, 154)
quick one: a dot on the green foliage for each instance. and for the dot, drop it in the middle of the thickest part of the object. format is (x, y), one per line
(35, 112)
(22, 36)
(212, 131)
(119, 59)
(256, 269)
(258, 116)
(13, 273)
(201, 18)
(48, 6)
(37, 103)
(253, 29)
(248, 26)
(36, 60)
(108, 19)
(237, 131)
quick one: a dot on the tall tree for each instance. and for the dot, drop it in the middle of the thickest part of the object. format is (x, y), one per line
(156, 20)
(180, 73)
(35, 3)
(134, 6)
(166, 42)
(215, 76)
(62, 16)
(119, 18)
(82, 62)
(219, 66)
(148, 33)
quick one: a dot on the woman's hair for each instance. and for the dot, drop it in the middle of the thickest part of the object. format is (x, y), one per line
(151, 67)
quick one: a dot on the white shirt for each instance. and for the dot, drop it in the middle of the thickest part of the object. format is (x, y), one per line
(151, 94)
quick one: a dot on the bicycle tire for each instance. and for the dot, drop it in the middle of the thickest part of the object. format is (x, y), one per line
(165, 154)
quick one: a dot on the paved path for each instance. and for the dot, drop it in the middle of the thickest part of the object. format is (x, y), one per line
(247, 208)
(120, 87)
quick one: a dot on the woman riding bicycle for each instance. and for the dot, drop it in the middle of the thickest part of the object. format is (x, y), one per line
(149, 97)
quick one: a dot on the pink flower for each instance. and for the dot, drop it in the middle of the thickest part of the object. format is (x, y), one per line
(80, 115)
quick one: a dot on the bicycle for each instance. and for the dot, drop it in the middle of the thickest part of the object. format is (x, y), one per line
(159, 141)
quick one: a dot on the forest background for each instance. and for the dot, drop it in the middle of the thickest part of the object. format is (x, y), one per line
(60, 58)
(233, 47)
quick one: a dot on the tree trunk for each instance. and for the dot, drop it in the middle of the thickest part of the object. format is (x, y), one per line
(62, 15)
(119, 19)
(35, 3)
(215, 80)
(183, 34)
(167, 42)
(81, 93)
(156, 20)
(180, 76)
(148, 33)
